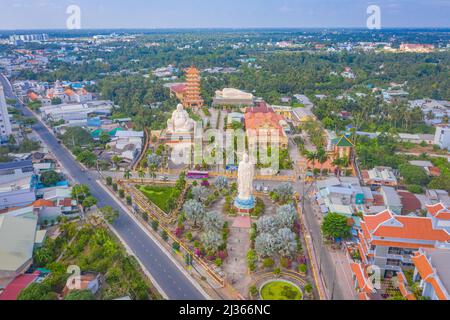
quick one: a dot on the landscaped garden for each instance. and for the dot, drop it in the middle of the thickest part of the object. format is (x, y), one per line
(280, 290)
(165, 197)
(203, 222)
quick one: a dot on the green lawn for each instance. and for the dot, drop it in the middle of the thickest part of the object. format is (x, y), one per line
(279, 290)
(162, 196)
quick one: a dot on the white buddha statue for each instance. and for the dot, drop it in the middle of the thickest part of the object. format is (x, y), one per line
(246, 174)
(180, 121)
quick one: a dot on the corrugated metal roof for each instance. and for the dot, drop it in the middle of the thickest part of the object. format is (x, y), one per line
(16, 164)
(17, 236)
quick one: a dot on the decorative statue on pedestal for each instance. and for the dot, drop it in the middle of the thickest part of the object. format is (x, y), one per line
(180, 122)
(245, 202)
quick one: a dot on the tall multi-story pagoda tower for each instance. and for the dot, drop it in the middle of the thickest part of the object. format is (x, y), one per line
(192, 97)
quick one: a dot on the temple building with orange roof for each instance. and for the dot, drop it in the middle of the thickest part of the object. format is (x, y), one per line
(337, 148)
(260, 124)
(389, 241)
(192, 94)
(363, 284)
(440, 215)
(432, 271)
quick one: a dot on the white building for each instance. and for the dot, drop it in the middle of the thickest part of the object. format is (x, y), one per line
(230, 96)
(5, 124)
(81, 111)
(17, 240)
(442, 137)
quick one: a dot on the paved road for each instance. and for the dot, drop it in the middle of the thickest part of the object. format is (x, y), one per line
(332, 266)
(169, 277)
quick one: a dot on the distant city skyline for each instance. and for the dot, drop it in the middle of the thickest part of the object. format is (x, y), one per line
(148, 14)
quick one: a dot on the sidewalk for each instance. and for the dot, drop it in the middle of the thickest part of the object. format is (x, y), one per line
(320, 285)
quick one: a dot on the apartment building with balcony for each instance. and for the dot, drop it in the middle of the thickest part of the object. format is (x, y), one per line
(389, 241)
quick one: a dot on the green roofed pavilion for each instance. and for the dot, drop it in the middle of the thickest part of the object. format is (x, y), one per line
(342, 142)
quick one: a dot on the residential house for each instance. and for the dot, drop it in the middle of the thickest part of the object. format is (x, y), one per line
(47, 211)
(127, 145)
(379, 176)
(302, 115)
(427, 166)
(442, 137)
(86, 281)
(343, 195)
(16, 192)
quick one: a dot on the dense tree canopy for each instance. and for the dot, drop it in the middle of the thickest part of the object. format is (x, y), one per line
(336, 226)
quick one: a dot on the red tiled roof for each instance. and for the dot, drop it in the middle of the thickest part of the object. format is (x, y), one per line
(399, 244)
(180, 88)
(435, 171)
(69, 92)
(401, 281)
(82, 92)
(378, 200)
(410, 202)
(263, 120)
(22, 281)
(362, 278)
(365, 175)
(426, 272)
(423, 265)
(435, 208)
(67, 202)
(373, 221)
(439, 211)
(387, 225)
(32, 96)
(261, 108)
(43, 203)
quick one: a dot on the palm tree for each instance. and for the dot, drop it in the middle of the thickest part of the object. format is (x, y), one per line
(152, 171)
(116, 160)
(311, 157)
(322, 157)
(127, 174)
(141, 174)
(340, 163)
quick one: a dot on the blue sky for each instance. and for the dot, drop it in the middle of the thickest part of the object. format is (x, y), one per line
(49, 14)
